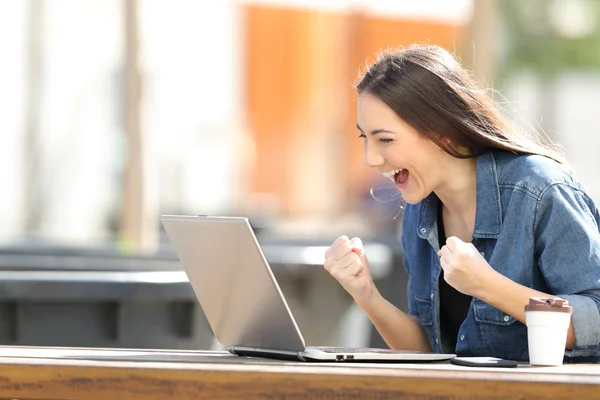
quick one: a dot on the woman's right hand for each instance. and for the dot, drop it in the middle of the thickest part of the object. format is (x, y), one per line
(347, 262)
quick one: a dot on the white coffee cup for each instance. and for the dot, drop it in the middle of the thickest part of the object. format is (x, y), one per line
(548, 322)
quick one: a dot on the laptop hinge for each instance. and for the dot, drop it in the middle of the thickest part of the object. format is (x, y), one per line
(266, 353)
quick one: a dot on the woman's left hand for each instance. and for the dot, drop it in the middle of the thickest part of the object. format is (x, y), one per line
(464, 267)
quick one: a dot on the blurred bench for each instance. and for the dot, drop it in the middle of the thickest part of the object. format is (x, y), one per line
(69, 296)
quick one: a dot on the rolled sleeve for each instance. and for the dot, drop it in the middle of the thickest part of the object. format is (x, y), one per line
(568, 255)
(585, 321)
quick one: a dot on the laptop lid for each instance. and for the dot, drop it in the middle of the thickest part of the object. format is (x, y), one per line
(233, 282)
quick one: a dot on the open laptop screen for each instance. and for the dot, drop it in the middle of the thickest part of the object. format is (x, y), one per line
(233, 282)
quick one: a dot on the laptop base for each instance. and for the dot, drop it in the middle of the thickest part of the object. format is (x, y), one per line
(332, 354)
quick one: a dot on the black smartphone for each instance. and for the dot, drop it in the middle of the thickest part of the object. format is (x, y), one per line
(483, 362)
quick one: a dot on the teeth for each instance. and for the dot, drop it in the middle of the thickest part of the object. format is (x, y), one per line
(390, 174)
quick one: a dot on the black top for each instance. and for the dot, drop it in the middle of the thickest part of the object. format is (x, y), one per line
(454, 305)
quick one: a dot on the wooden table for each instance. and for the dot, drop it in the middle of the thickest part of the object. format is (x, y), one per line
(111, 374)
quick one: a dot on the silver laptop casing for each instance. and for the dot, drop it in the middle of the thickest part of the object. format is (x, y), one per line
(240, 297)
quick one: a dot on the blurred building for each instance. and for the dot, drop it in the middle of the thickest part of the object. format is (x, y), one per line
(245, 107)
(300, 103)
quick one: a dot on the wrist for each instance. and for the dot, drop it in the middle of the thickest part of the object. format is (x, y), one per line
(489, 286)
(369, 302)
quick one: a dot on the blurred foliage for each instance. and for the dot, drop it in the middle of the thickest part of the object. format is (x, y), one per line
(550, 35)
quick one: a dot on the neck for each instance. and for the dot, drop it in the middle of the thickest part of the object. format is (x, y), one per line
(459, 194)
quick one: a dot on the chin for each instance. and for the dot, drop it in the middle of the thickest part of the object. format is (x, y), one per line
(412, 198)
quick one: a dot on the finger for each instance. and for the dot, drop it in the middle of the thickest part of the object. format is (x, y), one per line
(443, 263)
(342, 252)
(357, 245)
(339, 251)
(445, 254)
(336, 243)
(445, 250)
(341, 240)
(346, 267)
(329, 264)
(354, 269)
(349, 259)
(474, 250)
(454, 243)
(447, 266)
(334, 266)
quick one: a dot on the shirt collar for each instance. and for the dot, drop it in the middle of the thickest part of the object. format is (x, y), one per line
(488, 216)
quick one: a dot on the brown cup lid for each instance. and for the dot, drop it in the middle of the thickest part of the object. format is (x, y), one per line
(548, 304)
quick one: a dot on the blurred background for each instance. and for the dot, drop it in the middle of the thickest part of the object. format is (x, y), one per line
(115, 112)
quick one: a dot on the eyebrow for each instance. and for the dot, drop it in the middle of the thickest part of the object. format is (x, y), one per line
(376, 131)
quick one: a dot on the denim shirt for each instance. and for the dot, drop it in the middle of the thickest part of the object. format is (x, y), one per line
(534, 224)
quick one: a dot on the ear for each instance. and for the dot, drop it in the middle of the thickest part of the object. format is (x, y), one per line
(445, 139)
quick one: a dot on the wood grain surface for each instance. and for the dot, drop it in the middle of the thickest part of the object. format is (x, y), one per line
(241, 378)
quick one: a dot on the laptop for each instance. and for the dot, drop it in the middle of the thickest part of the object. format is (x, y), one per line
(242, 300)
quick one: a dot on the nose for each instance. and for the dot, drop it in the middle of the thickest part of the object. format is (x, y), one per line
(372, 157)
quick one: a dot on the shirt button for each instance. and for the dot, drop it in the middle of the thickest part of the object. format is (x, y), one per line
(462, 337)
(423, 230)
(431, 296)
(506, 318)
(482, 253)
(437, 340)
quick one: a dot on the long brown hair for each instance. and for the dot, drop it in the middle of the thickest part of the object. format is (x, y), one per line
(429, 89)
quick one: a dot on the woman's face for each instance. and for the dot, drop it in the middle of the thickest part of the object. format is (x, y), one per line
(398, 151)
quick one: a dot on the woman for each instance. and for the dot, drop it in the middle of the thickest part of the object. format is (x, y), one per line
(492, 218)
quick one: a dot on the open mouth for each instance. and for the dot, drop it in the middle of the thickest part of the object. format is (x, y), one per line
(399, 176)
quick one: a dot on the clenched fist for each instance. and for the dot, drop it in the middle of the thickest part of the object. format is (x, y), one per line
(464, 268)
(346, 261)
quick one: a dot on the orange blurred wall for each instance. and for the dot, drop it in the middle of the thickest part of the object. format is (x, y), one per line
(300, 103)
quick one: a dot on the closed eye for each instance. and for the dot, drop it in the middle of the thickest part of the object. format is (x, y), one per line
(382, 140)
